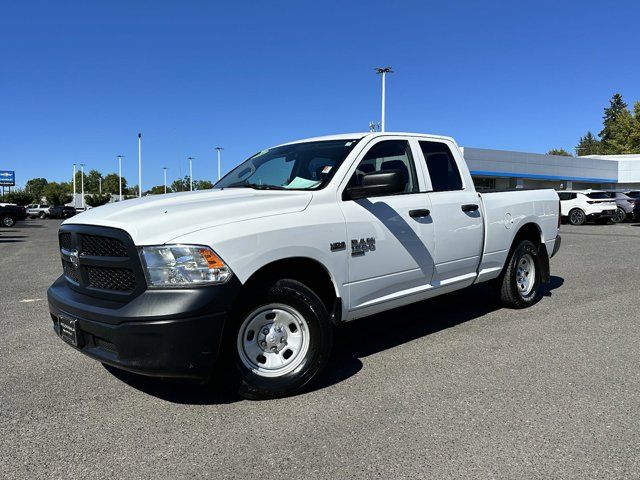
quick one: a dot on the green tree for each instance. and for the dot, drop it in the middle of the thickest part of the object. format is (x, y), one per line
(35, 187)
(202, 185)
(58, 193)
(559, 151)
(96, 200)
(157, 190)
(18, 196)
(616, 107)
(92, 181)
(588, 145)
(181, 184)
(620, 133)
(110, 184)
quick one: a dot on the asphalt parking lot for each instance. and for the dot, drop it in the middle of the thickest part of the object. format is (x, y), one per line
(454, 387)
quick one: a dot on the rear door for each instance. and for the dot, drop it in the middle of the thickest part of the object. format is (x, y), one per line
(455, 211)
(389, 238)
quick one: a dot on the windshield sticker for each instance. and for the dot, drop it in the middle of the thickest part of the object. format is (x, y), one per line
(300, 182)
(326, 169)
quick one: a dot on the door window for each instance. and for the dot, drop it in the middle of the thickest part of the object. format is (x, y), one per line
(442, 167)
(385, 156)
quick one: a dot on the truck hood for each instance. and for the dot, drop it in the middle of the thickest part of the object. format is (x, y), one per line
(157, 219)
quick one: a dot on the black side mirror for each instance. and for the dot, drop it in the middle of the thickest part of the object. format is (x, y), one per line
(376, 184)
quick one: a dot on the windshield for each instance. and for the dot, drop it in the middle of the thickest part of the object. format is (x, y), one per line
(300, 166)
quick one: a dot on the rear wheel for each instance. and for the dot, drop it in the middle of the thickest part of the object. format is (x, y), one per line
(7, 221)
(619, 216)
(520, 284)
(42, 215)
(281, 340)
(577, 217)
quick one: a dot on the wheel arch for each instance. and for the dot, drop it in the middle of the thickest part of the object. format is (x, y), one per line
(531, 231)
(306, 270)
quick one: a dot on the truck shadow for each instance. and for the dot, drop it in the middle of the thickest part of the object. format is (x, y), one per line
(354, 341)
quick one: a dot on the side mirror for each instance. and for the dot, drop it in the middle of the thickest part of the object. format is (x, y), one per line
(376, 184)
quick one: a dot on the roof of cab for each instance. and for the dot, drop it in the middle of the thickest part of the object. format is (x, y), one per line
(360, 135)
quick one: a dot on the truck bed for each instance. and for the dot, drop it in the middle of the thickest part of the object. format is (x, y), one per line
(505, 212)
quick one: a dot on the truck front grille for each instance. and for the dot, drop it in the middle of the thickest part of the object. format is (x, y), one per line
(121, 279)
(101, 261)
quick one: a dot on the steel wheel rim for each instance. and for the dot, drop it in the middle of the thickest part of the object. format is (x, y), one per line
(273, 340)
(525, 275)
(576, 216)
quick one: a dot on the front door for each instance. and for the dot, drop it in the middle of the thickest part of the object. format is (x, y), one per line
(390, 238)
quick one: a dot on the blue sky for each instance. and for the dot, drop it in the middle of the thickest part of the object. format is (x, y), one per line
(78, 80)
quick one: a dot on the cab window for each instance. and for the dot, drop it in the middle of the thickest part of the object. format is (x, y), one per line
(442, 167)
(386, 156)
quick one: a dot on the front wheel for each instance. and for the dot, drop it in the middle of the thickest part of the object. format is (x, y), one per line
(619, 216)
(281, 340)
(8, 221)
(520, 284)
(42, 215)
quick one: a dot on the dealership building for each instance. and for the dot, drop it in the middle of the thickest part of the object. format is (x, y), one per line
(502, 169)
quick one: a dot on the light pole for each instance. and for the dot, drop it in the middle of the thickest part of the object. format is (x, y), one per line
(74, 186)
(82, 182)
(219, 149)
(190, 173)
(383, 71)
(139, 165)
(164, 171)
(120, 157)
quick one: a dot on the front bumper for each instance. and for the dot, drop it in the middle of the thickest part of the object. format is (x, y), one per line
(165, 333)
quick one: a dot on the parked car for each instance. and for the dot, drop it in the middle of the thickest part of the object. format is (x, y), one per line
(61, 211)
(580, 206)
(10, 214)
(296, 239)
(37, 210)
(625, 205)
(633, 194)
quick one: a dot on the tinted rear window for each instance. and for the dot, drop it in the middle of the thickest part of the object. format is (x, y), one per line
(598, 195)
(442, 167)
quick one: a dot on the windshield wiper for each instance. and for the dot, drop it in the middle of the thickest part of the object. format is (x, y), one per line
(255, 186)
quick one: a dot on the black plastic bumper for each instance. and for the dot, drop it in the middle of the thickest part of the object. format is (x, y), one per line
(166, 333)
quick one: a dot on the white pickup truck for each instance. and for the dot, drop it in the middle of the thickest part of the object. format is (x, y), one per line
(253, 275)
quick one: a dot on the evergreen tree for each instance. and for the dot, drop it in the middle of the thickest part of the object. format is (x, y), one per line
(611, 113)
(588, 145)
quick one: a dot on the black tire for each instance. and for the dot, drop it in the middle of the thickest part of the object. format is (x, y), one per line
(7, 221)
(511, 293)
(620, 216)
(42, 215)
(577, 217)
(294, 295)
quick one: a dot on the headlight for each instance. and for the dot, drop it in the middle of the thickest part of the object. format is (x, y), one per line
(183, 266)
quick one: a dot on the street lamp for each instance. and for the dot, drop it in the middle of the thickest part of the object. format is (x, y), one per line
(164, 171)
(139, 165)
(383, 71)
(120, 157)
(82, 182)
(219, 149)
(190, 173)
(74, 186)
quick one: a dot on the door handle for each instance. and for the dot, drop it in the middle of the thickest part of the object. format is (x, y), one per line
(469, 207)
(421, 212)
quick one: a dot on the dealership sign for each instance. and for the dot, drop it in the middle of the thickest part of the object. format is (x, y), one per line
(7, 178)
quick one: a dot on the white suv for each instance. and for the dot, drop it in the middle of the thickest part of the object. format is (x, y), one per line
(37, 210)
(578, 206)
